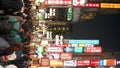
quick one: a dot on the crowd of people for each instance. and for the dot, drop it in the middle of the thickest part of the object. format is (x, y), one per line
(16, 25)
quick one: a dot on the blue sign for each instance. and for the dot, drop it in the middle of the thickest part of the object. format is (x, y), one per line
(78, 49)
(101, 62)
(74, 41)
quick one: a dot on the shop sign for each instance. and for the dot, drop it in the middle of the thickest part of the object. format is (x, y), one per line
(78, 49)
(110, 62)
(64, 45)
(93, 49)
(45, 62)
(109, 5)
(69, 62)
(54, 49)
(81, 45)
(40, 49)
(69, 49)
(74, 41)
(83, 62)
(56, 63)
(94, 62)
(43, 67)
(54, 56)
(66, 56)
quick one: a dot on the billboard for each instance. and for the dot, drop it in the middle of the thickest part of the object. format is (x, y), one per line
(58, 2)
(54, 56)
(70, 63)
(94, 62)
(110, 5)
(83, 62)
(66, 56)
(75, 41)
(54, 49)
(93, 49)
(56, 63)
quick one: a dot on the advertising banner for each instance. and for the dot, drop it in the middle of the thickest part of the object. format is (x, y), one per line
(94, 62)
(70, 63)
(56, 63)
(93, 49)
(45, 62)
(110, 62)
(75, 41)
(109, 5)
(78, 49)
(69, 49)
(58, 2)
(54, 56)
(66, 56)
(83, 62)
(54, 49)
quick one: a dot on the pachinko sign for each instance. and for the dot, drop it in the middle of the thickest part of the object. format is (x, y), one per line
(70, 63)
(93, 49)
(54, 49)
(56, 63)
(83, 62)
(66, 56)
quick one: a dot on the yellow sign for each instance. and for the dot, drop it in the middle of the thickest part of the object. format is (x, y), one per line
(110, 5)
(56, 63)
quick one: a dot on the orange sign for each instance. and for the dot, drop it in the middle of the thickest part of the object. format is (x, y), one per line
(66, 56)
(110, 5)
(110, 62)
(44, 62)
(56, 63)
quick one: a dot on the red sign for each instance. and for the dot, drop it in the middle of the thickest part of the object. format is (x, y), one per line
(58, 2)
(66, 56)
(94, 62)
(83, 62)
(93, 49)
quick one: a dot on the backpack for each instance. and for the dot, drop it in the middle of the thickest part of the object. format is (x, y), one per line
(3, 44)
(8, 24)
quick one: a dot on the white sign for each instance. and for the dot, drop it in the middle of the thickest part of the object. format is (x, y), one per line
(54, 49)
(70, 63)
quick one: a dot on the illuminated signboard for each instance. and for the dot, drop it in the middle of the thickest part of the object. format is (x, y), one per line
(83, 62)
(78, 49)
(93, 49)
(74, 41)
(54, 56)
(56, 63)
(66, 56)
(76, 3)
(45, 62)
(40, 49)
(58, 2)
(108, 62)
(54, 49)
(110, 5)
(69, 49)
(117, 62)
(94, 62)
(70, 63)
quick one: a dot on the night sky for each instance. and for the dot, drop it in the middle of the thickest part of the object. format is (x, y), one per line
(105, 28)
